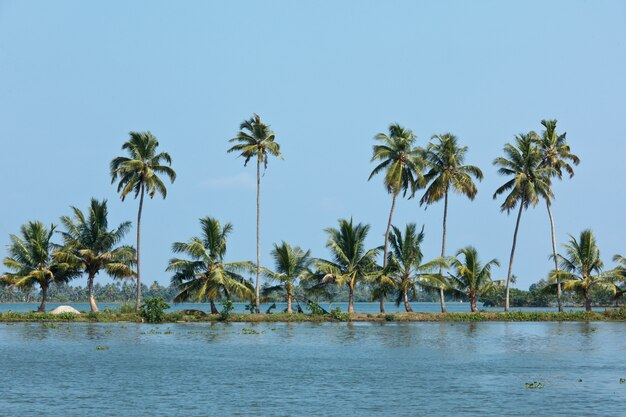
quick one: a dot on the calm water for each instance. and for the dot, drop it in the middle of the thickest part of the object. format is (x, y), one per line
(240, 307)
(325, 369)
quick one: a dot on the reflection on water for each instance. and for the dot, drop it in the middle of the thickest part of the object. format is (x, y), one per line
(292, 369)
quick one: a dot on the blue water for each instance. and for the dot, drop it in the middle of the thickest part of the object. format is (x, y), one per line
(240, 307)
(316, 369)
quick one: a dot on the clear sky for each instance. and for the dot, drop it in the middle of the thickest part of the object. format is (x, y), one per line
(76, 77)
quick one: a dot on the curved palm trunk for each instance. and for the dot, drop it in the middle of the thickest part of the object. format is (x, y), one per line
(92, 299)
(258, 236)
(556, 261)
(510, 273)
(442, 298)
(472, 299)
(587, 300)
(44, 296)
(139, 248)
(351, 300)
(405, 297)
(214, 309)
(386, 250)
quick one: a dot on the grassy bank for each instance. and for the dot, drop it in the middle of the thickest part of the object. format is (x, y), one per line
(175, 317)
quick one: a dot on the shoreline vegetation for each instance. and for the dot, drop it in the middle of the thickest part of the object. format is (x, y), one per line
(115, 316)
(396, 271)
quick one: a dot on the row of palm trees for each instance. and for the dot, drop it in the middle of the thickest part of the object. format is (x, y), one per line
(531, 164)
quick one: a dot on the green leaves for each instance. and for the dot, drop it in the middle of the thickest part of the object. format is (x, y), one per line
(255, 139)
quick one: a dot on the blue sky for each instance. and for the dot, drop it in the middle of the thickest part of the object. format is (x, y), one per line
(76, 77)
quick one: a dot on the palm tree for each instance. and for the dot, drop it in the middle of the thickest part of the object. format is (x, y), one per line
(619, 275)
(402, 163)
(90, 244)
(139, 173)
(405, 263)
(32, 260)
(256, 139)
(581, 267)
(350, 261)
(447, 173)
(472, 278)
(557, 155)
(530, 181)
(291, 264)
(206, 276)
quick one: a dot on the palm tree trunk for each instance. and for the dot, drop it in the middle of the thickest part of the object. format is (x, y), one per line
(407, 305)
(44, 296)
(258, 236)
(556, 261)
(92, 299)
(510, 273)
(587, 300)
(289, 310)
(472, 299)
(139, 248)
(351, 300)
(442, 298)
(214, 309)
(386, 250)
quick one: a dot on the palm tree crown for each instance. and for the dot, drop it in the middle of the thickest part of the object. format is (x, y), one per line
(581, 267)
(350, 261)
(255, 139)
(142, 168)
(205, 276)
(291, 264)
(555, 150)
(445, 159)
(472, 278)
(32, 260)
(90, 244)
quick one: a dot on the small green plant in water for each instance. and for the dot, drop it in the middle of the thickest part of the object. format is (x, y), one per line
(622, 380)
(227, 307)
(102, 348)
(246, 330)
(533, 385)
(153, 309)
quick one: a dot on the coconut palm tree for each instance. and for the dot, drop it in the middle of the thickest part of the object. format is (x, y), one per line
(530, 181)
(350, 261)
(557, 155)
(256, 139)
(403, 164)
(447, 172)
(471, 277)
(139, 174)
(205, 276)
(581, 267)
(619, 276)
(291, 264)
(32, 261)
(90, 244)
(406, 269)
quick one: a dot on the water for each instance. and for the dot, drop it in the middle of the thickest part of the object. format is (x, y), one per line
(240, 307)
(321, 369)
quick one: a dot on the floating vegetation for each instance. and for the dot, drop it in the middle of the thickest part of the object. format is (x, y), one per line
(534, 385)
(246, 330)
(580, 380)
(622, 380)
(153, 331)
(50, 325)
(99, 347)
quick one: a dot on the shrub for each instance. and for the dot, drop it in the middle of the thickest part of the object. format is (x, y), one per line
(153, 309)
(127, 308)
(389, 317)
(336, 314)
(315, 309)
(67, 316)
(227, 307)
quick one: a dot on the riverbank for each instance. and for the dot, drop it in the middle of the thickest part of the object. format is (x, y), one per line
(178, 317)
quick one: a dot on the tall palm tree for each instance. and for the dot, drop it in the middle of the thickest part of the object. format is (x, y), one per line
(291, 264)
(405, 264)
(619, 276)
(557, 155)
(581, 267)
(32, 261)
(90, 244)
(447, 172)
(205, 276)
(256, 139)
(350, 261)
(139, 174)
(472, 278)
(530, 181)
(403, 164)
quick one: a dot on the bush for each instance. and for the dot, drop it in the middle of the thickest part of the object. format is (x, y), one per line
(67, 316)
(227, 307)
(389, 317)
(315, 309)
(127, 308)
(336, 314)
(153, 309)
